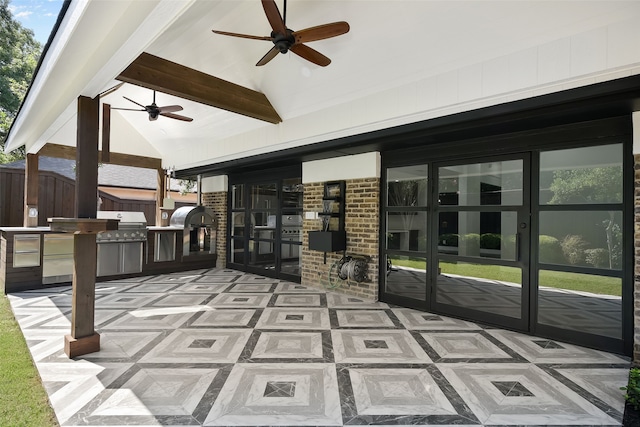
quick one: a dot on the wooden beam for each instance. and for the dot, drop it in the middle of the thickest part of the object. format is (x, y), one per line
(106, 133)
(69, 152)
(87, 157)
(169, 77)
(31, 190)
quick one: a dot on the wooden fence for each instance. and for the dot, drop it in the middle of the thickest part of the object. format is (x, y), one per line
(56, 198)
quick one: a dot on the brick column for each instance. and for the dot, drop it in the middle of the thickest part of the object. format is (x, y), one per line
(217, 201)
(362, 223)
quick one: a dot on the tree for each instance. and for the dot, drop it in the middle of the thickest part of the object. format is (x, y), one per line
(19, 54)
(591, 185)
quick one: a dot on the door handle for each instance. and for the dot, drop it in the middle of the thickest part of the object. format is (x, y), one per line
(518, 239)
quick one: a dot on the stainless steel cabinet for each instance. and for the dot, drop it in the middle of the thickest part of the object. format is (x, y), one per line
(57, 258)
(119, 258)
(26, 250)
(165, 250)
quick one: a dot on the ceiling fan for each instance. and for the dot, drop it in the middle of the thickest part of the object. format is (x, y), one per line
(285, 39)
(154, 111)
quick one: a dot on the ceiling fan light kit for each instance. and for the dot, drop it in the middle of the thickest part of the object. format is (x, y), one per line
(285, 39)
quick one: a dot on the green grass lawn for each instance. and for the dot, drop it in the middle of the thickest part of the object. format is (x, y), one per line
(23, 400)
(553, 279)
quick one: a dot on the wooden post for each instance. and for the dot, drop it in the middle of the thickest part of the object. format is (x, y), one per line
(87, 157)
(83, 338)
(106, 133)
(31, 191)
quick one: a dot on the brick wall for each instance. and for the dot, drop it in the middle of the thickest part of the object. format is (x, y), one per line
(217, 201)
(362, 228)
(636, 275)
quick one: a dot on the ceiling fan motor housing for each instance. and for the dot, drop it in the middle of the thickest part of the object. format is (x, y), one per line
(283, 42)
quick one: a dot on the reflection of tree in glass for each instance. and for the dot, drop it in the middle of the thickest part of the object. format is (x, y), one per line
(408, 193)
(591, 185)
(405, 193)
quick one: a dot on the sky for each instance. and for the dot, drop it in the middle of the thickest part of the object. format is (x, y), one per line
(37, 15)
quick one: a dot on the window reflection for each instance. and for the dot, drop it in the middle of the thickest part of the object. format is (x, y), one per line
(588, 175)
(407, 186)
(407, 231)
(481, 184)
(406, 276)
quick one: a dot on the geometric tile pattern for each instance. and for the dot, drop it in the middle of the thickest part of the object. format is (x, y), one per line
(224, 348)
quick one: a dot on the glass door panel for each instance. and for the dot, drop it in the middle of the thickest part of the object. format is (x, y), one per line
(263, 225)
(482, 235)
(491, 235)
(407, 276)
(580, 254)
(406, 243)
(490, 288)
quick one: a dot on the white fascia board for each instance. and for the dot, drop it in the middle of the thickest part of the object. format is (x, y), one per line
(95, 42)
(357, 166)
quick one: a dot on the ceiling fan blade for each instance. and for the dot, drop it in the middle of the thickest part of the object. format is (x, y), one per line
(268, 57)
(127, 109)
(273, 16)
(321, 32)
(177, 117)
(137, 103)
(244, 36)
(169, 109)
(111, 90)
(310, 55)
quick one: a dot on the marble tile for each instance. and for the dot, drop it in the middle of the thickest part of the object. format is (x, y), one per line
(289, 288)
(240, 300)
(335, 300)
(198, 287)
(377, 346)
(221, 347)
(224, 346)
(226, 318)
(420, 320)
(288, 345)
(466, 346)
(602, 382)
(547, 402)
(294, 318)
(298, 300)
(398, 392)
(363, 319)
(308, 396)
(539, 350)
(127, 300)
(252, 287)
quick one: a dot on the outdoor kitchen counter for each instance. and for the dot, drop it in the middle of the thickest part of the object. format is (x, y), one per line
(162, 253)
(21, 257)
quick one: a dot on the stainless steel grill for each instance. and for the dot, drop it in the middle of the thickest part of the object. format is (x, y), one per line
(131, 228)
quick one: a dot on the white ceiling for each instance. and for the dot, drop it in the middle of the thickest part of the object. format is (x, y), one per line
(392, 44)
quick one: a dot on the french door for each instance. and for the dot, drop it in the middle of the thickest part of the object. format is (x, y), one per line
(458, 236)
(533, 241)
(265, 227)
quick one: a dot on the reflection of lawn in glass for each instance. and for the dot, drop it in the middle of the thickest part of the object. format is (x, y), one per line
(556, 279)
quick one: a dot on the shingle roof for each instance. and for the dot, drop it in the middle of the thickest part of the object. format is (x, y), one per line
(108, 175)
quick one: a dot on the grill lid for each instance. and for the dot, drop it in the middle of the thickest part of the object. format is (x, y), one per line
(128, 220)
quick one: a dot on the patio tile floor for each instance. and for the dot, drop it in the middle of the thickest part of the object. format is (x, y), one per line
(224, 348)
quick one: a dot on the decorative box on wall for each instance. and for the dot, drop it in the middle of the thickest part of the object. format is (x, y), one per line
(332, 237)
